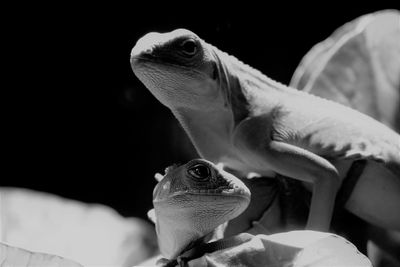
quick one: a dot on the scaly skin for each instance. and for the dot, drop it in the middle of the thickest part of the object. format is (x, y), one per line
(191, 201)
(237, 116)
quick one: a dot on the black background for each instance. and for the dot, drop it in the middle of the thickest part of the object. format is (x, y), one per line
(77, 122)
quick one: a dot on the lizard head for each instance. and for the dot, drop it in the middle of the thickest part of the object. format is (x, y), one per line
(179, 68)
(192, 200)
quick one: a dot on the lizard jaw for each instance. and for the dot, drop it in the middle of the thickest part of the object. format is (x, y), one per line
(220, 192)
(216, 192)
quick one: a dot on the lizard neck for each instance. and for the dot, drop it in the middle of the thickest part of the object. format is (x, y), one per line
(246, 92)
(248, 88)
(209, 131)
(176, 234)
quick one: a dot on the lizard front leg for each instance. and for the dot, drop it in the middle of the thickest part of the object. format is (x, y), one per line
(303, 165)
(294, 162)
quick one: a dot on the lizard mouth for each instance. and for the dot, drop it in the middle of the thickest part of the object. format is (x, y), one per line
(205, 193)
(227, 192)
(143, 60)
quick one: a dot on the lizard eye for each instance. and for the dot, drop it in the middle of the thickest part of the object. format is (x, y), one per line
(189, 47)
(200, 172)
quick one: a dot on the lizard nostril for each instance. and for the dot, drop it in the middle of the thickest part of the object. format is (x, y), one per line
(148, 50)
(139, 51)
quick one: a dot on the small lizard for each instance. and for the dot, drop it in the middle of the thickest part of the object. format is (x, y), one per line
(193, 201)
(239, 117)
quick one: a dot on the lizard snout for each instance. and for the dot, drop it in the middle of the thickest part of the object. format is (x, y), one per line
(145, 45)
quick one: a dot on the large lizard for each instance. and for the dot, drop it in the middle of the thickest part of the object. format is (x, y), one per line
(237, 116)
(193, 201)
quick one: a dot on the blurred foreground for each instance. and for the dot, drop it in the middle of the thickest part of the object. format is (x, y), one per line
(86, 233)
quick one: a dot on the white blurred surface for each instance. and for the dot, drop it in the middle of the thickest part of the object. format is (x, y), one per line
(87, 233)
(12, 256)
(358, 66)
